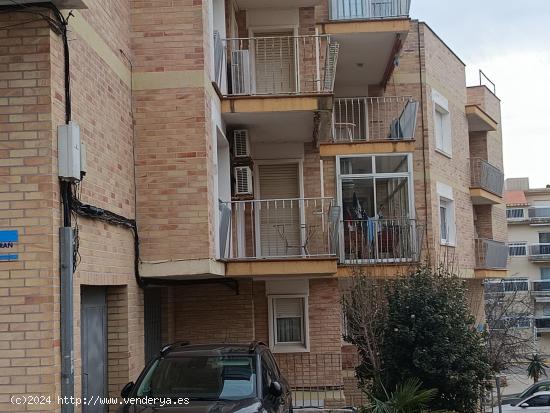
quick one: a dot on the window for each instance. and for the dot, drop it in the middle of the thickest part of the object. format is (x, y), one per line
(376, 197)
(447, 228)
(517, 249)
(545, 273)
(442, 124)
(544, 237)
(515, 213)
(288, 323)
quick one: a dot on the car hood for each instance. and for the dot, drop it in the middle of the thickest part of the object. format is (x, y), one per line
(229, 406)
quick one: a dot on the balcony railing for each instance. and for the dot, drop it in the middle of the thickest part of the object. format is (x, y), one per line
(542, 323)
(279, 228)
(539, 252)
(539, 214)
(541, 287)
(279, 65)
(374, 119)
(368, 9)
(511, 286)
(486, 176)
(491, 254)
(377, 241)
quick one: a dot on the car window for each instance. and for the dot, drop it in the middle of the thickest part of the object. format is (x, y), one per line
(201, 378)
(539, 401)
(272, 364)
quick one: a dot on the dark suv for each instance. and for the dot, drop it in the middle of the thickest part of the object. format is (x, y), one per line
(225, 378)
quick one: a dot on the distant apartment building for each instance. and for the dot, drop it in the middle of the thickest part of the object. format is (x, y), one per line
(244, 158)
(528, 214)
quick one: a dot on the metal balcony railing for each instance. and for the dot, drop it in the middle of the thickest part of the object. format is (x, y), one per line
(279, 65)
(486, 176)
(542, 323)
(374, 118)
(491, 254)
(539, 252)
(377, 241)
(279, 228)
(513, 285)
(324, 380)
(540, 287)
(539, 214)
(368, 9)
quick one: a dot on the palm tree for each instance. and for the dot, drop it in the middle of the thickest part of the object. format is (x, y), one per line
(537, 367)
(408, 397)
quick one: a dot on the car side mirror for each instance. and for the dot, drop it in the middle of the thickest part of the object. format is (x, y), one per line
(524, 405)
(126, 390)
(275, 389)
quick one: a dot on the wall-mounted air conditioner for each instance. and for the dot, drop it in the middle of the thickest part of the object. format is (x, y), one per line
(240, 72)
(241, 143)
(243, 180)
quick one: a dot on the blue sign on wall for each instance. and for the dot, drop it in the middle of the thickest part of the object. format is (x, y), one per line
(8, 242)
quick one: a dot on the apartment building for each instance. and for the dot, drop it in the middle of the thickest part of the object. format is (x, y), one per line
(528, 215)
(243, 160)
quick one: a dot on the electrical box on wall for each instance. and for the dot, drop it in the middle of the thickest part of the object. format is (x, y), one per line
(68, 151)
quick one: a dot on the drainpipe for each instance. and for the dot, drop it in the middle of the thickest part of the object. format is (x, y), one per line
(66, 304)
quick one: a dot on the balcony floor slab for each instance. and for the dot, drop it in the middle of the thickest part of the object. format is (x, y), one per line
(312, 267)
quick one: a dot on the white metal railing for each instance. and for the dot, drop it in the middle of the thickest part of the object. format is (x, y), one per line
(516, 214)
(280, 228)
(486, 176)
(511, 285)
(540, 287)
(539, 252)
(374, 118)
(491, 254)
(541, 213)
(281, 65)
(368, 9)
(374, 241)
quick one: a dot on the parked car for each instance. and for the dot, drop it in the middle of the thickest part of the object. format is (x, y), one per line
(202, 378)
(538, 402)
(532, 389)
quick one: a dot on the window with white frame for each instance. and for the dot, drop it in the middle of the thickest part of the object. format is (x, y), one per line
(515, 213)
(442, 124)
(288, 323)
(447, 226)
(517, 249)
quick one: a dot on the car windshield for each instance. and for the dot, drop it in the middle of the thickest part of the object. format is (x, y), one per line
(201, 378)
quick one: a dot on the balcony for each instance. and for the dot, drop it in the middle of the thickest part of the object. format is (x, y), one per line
(540, 287)
(539, 252)
(380, 241)
(368, 9)
(372, 125)
(285, 231)
(542, 324)
(490, 256)
(539, 215)
(278, 65)
(487, 182)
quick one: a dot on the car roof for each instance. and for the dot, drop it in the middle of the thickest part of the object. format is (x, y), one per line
(184, 349)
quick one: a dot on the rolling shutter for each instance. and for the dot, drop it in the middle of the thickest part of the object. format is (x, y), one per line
(280, 220)
(275, 65)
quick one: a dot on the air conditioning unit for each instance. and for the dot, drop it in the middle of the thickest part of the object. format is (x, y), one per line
(241, 144)
(243, 180)
(240, 72)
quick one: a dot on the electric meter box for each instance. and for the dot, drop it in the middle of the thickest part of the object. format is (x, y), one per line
(68, 151)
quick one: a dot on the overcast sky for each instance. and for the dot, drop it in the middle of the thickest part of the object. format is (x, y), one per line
(510, 41)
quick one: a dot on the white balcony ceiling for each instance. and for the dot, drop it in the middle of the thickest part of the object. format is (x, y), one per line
(274, 126)
(277, 4)
(363, 58)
